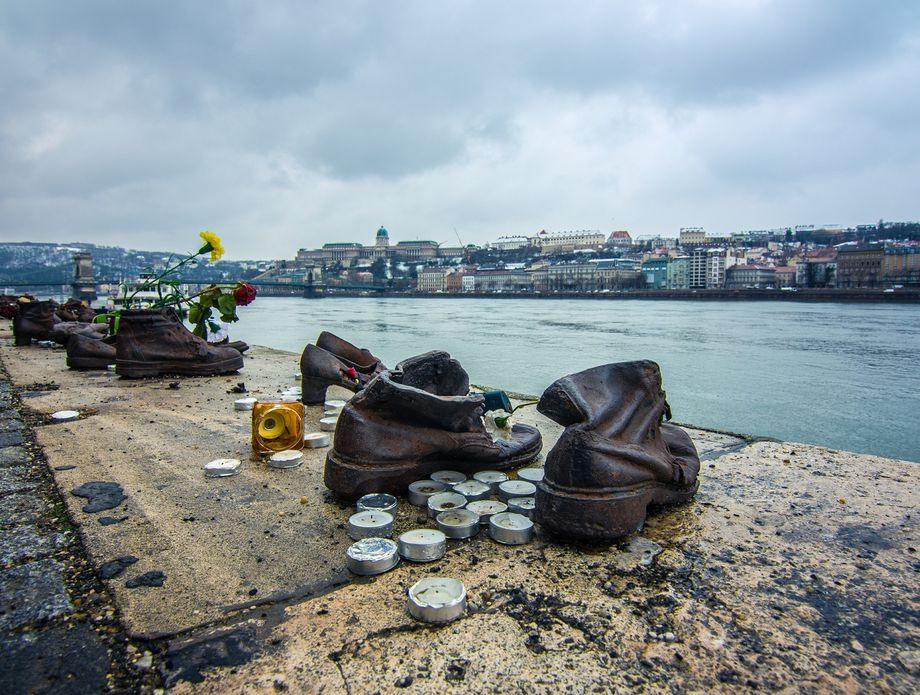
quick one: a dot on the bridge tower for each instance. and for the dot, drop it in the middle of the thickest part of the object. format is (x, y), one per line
(313, 286)
(83, 285)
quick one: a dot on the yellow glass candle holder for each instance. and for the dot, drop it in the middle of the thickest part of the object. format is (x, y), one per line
(277, 427)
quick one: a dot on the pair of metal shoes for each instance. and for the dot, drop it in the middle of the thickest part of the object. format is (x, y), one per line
(616, 457)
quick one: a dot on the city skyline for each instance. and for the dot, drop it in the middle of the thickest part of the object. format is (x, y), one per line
(280, 127)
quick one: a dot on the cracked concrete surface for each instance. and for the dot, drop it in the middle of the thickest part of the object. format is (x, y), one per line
(795, 566)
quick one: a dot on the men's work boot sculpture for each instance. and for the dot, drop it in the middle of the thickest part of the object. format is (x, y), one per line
(334, 361)
(616, 456)
(87, 352)
(32, 320)
(75, 310)
(407, 423)
(151, 342)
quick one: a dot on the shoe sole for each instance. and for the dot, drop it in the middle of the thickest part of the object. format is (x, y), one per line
(601, 516)
(134, 369)
(88, 363)
(350, 479)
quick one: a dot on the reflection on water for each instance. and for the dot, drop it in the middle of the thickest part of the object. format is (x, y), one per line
(842, 375)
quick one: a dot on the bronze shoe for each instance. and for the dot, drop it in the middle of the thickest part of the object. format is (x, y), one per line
(616, 456)
(62, 332)
(334, 361)
(32, 320)
(87, 352)
(151, 342)
(407, 423)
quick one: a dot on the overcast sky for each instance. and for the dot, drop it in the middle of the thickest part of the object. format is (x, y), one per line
(283, 125)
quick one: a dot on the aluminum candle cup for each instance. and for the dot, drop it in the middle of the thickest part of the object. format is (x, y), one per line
(222, 468)
(372, 556)
(244, 403)
(449, 478)
(65, 415)
(458, 523)
(332, 413)
(377, 502)
(486, 508)
(473, 490)
(516, 488)
(316, 440)
(289, 398)
(327, 424)
(490, 478)
(521, 505)
(510, 528)
(422, 545)
(421, 490)
(437, 600)
(286, 459)
(531, 475)
(334, 405)
(370, 525)
(444, 502)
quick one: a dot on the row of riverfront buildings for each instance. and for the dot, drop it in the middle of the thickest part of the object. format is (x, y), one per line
(870, 256)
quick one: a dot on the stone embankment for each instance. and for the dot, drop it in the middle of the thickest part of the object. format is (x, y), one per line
(794, 567)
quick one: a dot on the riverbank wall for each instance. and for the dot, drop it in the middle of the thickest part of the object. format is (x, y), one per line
(794, 567)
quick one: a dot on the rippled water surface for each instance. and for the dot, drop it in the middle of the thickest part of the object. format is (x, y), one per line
(842, 375)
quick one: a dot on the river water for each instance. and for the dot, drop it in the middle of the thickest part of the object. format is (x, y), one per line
(845, 376)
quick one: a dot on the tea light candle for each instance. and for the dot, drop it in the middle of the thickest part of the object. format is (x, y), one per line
(486, 508)
(292, 391)
(222, 468)
(244, 403)
(316, 440)
(522, 505)
(65, 415)
(437, 600)
(490, 478)
(372, 556)
(327, 424)
(449, 478)
(331, 413)
(422, 545)
(473, 490)
(516, 488)
(421, 490)
(289, 458)
(289, 398)
(531, 475)
(458, 523)
(334, 404)
(370, 524)
(444, 501)
(510, 528)
(377, 502)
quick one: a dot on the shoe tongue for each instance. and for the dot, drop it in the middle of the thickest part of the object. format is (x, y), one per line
(435, 372)
(404, 403)
(596, 393)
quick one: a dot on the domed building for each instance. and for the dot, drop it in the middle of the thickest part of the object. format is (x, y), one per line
(383, 238)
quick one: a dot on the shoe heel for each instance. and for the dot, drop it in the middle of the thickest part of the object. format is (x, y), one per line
(590, 517)
(21, 340)
(313, 390)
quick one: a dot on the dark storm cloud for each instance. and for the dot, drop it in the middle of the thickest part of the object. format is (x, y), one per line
(288, 124)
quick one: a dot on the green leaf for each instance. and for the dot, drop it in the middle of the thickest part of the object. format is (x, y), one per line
(227, 304)
(194, 314)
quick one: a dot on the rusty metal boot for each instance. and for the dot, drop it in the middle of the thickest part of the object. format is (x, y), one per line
(407, 423)
(151, 342)
(334, 361)
(87, 352)
(616, 456)
(32, 320)
(62, 332)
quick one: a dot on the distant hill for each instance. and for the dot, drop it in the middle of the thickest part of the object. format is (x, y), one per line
(23, 263)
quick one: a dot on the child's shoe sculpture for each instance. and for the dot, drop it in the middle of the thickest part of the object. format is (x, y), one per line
(87, 352)
(407, 423)
(334, 361)
(151, 342)
(616, 456)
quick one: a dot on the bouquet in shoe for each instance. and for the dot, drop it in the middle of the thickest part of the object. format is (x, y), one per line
(202, 309)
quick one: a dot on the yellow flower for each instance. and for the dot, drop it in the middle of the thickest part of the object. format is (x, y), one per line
(213, 244)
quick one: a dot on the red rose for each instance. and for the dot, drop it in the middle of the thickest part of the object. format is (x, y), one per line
(244, 294)
(351, 373)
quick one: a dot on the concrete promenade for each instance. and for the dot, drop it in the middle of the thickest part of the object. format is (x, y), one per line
(794, 568)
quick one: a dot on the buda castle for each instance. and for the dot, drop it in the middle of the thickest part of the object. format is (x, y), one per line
(352, 254)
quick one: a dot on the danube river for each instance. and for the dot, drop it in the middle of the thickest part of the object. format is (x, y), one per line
(842, 375)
